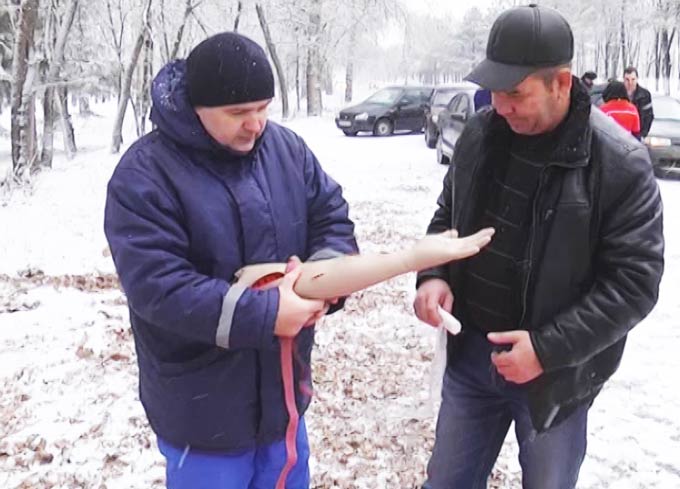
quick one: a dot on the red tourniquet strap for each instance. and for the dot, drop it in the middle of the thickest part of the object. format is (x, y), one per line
(293, 417)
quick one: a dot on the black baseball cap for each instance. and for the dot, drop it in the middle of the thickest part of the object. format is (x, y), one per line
(523, 40)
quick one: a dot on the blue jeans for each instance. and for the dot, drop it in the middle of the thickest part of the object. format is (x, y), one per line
(477, 408)
(255, 469)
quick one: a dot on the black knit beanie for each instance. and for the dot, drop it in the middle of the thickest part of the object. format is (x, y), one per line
(227, 69)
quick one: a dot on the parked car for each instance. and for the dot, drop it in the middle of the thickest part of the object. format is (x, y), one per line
(451, 122)
(663, 140)
(441, 96)
(596, 93)
(397, 108)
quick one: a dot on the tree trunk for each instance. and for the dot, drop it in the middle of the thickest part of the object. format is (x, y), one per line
(66, 125)
(280, 73)
(239, 9)
(314, 101)
(48, 129)
(622, 31)
(188, 8)
(22, 86)
(297, 75)
(51, 77)
(117, 138)
(147, 74)
(657, 59)
(666, 44)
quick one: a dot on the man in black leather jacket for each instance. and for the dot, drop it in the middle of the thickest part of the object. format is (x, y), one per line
(575, 263)
(641, 97)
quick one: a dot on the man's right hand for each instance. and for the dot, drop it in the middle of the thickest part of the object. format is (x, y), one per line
(295, 312)
(432, 293)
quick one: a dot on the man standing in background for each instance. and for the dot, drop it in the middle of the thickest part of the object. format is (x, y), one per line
(641, 98)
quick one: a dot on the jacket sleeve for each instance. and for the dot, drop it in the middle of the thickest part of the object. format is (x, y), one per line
(646, 113)
(441, 221)
(150, 248)
(330, 231)
(627, 263)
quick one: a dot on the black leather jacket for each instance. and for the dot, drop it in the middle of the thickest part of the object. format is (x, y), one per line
(595, 248)
(643, 101)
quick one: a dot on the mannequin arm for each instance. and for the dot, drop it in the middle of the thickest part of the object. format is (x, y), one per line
(340, 277)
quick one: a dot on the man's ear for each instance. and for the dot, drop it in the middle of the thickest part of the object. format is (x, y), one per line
(563, 81)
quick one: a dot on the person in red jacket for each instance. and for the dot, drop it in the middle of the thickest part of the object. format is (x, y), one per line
(618, 106)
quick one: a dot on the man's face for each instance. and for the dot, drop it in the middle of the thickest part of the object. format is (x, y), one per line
(235, 126)
(532, 106)
(588, 82)
(630, 81)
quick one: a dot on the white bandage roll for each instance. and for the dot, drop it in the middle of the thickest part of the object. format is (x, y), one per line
(451, 325)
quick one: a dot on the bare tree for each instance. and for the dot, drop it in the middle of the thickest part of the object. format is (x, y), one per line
(51, 77)
(117, 138)
(314, 101)
(280, 73)
(237, 19)
(23, 117)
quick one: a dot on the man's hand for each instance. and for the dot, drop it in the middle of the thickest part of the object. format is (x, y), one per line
(432, 293)
(295, 312)
(520, 364)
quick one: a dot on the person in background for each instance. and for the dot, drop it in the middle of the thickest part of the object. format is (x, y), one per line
(617, 105)
(641, 98)
(588, 79)
(482, 99)
(574, 264)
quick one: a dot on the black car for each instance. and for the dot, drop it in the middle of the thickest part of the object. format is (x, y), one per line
(663, 140)
(397, 108)
(441, 96)
(451, 122)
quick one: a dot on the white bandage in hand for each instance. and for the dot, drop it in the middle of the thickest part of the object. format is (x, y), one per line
(448, 321)
(451, 325)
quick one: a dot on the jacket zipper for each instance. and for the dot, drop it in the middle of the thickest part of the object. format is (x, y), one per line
(532, 236)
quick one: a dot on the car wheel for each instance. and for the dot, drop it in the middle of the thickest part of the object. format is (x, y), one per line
(383, 127)
(350, 133)
(430, 137)
(441, 157)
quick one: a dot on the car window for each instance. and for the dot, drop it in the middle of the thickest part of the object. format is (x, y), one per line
(386, 96)
(465, 104)
(425, 95)
(443, 97)
(408, 99)
(456, 104)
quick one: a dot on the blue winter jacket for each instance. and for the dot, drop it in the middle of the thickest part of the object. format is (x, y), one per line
(182, 215)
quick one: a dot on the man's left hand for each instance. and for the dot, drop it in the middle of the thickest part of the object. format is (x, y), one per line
(520, 364)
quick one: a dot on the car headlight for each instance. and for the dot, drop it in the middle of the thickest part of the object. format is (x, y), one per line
(655, 141)
(361, 117)
(435, 117)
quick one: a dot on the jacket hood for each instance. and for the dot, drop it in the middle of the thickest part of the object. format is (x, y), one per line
(172, 112)
(175, 117)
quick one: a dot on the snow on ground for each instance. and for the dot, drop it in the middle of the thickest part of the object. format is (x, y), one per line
(69, 409)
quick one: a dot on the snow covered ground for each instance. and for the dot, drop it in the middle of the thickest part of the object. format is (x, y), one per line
(69, 410)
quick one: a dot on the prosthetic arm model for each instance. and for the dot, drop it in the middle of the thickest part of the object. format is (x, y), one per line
(339, 277)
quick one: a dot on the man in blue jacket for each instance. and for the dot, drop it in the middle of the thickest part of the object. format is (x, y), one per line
(213, 188)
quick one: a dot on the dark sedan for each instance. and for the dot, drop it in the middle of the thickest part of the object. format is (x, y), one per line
(391, 109)
(663, 139)
(451, 122)
(441, 96)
